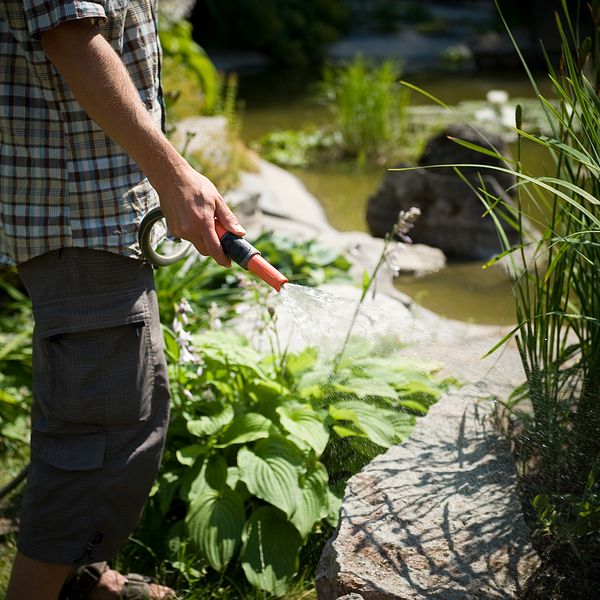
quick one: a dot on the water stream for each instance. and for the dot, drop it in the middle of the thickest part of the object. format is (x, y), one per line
(322, 318)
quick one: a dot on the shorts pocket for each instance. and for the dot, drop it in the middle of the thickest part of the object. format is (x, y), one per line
(98, 360)
(70, 452)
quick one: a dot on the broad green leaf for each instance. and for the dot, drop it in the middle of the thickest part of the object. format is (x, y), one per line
(375, 422)
(343, 431)
(417, 383)
(212, 476)
(363, 387)
(208, 425)
(215, 521)
(172, 348)
(189, 454)
(233, 476)
(313, 380)
(265, 389)
(247, 427)
(414, 405)
(334, 503)
(314, 500)
(302, 421)
(271, 470)
(271, 545)
(164, 489)
(231, 351)
(403, 425)
(7, 398)
(297, 364)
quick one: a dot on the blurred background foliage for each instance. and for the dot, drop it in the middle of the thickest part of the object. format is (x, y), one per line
(293, 33)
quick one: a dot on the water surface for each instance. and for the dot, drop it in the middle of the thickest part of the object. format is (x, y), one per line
(275, 100)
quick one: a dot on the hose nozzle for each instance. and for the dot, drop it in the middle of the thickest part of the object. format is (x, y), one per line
(248, 257)
(235, 247)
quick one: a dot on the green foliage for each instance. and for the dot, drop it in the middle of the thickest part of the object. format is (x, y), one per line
(260, 446)
(186, 64)
(291, 33)
(291, 148)
(15, 364)
(254, 447)
(306, 263)
(368, 105)
(557, 303)
(214, 292)
(193, 88)
(369, 118)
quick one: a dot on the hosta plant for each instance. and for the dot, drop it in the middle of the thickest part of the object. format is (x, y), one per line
(259, 452)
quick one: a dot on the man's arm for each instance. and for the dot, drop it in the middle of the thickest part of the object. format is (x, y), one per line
(101, 84)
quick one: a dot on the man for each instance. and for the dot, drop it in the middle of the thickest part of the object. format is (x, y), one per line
(83, 158)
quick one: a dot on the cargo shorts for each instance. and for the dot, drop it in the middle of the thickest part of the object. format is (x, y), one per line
(101, 404)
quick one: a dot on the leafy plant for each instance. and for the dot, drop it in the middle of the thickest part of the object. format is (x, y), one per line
(15, 365)
(368, 105)
(185, 61)
(260, 446)
(557, 305)
(210, 289)
(254, 451)
(302, 148)
(369, 110)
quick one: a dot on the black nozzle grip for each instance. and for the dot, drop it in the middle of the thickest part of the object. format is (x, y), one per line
(238, 249)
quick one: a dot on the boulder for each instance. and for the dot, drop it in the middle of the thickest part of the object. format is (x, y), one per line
(441, 150)
(451, 213)
(436, 517)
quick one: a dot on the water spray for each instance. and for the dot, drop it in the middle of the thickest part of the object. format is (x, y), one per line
(164, 249)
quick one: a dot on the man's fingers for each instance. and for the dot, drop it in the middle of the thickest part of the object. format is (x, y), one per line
(228, 219)
(212, 245)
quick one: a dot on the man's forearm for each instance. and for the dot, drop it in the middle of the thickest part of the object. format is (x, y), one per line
(102, 86)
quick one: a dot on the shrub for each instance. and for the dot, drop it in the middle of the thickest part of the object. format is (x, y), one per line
(292, 33)
(368, 105)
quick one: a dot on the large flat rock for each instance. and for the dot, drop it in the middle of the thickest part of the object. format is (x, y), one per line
(437, 517)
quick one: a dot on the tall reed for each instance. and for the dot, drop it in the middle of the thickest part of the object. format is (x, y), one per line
(556, 283)
(558, 304)
(557, 295)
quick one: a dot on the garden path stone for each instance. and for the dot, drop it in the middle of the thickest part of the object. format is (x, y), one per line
(436, 517)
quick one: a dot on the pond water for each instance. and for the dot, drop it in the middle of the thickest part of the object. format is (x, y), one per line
(274, 100)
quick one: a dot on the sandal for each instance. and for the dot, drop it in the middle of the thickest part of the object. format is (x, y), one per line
(84, 579)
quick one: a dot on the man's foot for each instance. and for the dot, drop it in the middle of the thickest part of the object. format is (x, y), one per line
(97, 582)
(115, 586)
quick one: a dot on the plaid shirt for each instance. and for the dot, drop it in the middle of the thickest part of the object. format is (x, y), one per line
(62, 181)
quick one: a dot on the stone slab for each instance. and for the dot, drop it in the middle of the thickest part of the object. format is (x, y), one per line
(435, 518)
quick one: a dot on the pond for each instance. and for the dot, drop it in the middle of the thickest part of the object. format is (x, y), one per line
(274, 100)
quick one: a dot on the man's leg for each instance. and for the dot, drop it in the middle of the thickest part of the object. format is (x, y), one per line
(95, 449)
(35, 580)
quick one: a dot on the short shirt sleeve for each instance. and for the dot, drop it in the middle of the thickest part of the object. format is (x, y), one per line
(43, 15)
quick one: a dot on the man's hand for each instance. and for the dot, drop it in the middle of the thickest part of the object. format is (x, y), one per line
(190, 203)
(101, 84)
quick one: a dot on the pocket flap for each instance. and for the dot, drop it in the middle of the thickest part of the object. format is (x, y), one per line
(81, 452)
(84, 313)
